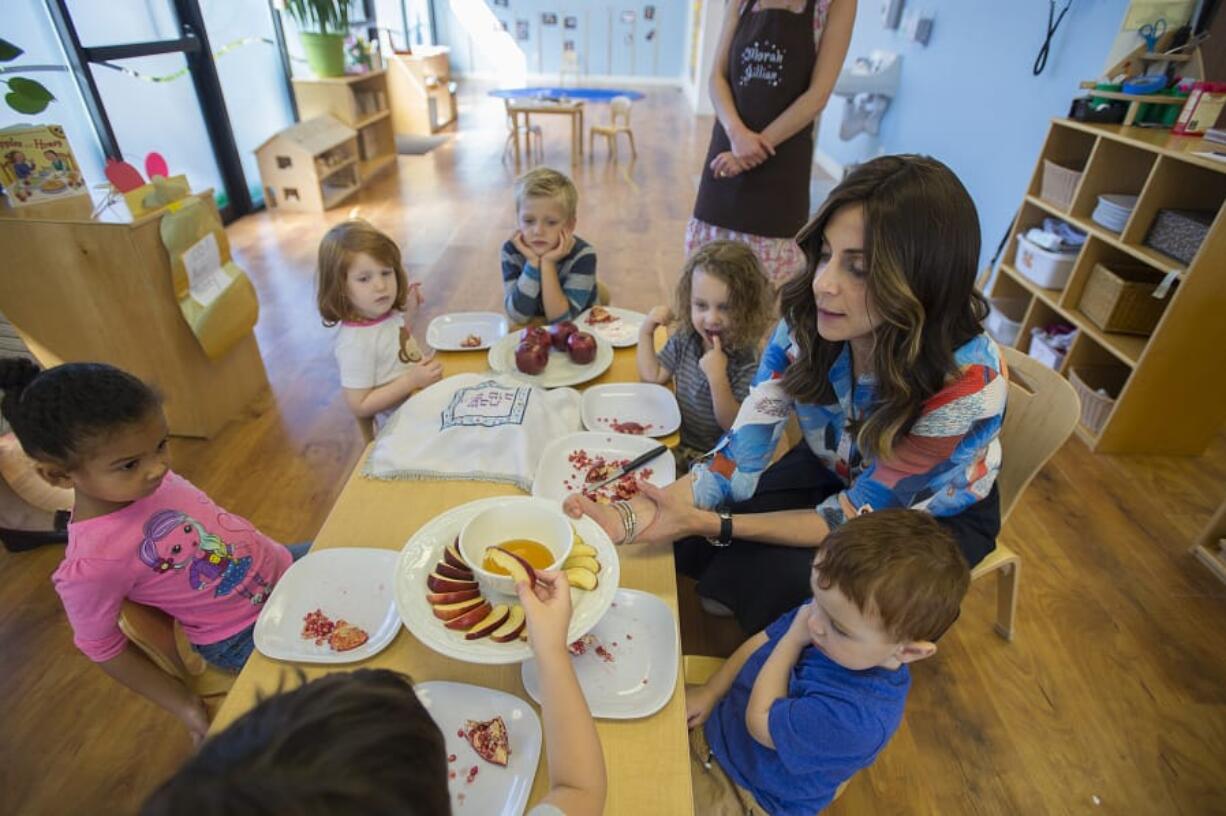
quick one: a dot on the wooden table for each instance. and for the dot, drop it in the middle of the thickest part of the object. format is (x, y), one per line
(571, 107)
(647, 759)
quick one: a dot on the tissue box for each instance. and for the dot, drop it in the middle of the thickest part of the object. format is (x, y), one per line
(1179, 233)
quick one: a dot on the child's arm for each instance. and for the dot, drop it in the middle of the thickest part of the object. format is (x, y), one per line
(650, 368)
(366, 402)
(554, 300)
(700, 701)
(715, 365)
(577, 782)
(132, 668)
(772, 682)
(522, 290)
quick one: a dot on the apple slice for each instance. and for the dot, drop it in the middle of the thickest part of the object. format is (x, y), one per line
(518, 568)
(496, 617)
(451, 554)
(448, 571)
(468, 619)
(586, 562)
(441, 583)
(450, 611)
(440, 598)
(580, 578)
(511, 628)
(579, 548)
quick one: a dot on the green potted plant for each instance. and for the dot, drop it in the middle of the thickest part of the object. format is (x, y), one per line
(322, 26)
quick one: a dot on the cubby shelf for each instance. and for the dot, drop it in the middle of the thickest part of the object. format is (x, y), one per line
(1173, 399)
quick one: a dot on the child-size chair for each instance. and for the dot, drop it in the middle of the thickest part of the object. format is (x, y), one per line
(513, 133)
(569, 67)
(619, 122)
(157, 635)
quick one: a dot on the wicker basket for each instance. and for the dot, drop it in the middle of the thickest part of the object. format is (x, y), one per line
(1096, 407)
(1059, 183)
(1120, 299)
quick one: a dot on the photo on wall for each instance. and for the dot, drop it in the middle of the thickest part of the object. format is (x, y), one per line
(628, 16)
(568, 45)
(502, 3)
(649, 12)
(570, 22)
(548, 18)
(521, 30)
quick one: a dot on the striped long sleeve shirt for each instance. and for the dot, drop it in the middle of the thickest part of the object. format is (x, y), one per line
(522, 282)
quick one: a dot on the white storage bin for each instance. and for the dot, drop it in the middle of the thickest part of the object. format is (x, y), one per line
(1047, 269)
(1044, 352)
(1004, 321)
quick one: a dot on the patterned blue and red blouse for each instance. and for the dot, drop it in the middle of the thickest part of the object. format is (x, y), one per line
(946, 462)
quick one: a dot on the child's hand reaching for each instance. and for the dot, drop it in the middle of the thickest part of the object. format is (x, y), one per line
(714, 363)
(699, 703)
(566, 242)
(520, 244)
(194, 716)
(426, 373)
(547, 611)
(659, 316)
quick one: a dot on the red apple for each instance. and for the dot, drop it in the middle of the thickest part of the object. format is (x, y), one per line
(536, 336)
(511, 628)
(441, 583)
(443, 598)
(560, 332)
(470, 618)
(531, 359)
(451, 611)
(489, 623)
(452, 556)
(447, 571)
(518, 568)
(582, 347)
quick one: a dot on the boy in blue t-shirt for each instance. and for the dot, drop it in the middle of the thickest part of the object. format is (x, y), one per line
(802, 706)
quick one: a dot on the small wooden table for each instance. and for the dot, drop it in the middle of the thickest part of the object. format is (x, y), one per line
(571, 107)
(647, 759)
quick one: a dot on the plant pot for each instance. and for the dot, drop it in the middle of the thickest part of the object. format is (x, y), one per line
(325, 53)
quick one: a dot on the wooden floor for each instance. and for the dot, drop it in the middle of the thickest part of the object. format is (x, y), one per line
(1112, 699)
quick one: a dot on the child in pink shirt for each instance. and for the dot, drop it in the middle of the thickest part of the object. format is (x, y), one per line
(139, 531)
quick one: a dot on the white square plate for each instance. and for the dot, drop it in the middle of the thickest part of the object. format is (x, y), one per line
(494, 790)
(627, 664)
(650, 405)
(357, 584)
(622, 332)
(559, 371)
(557, 478)
(446, 332)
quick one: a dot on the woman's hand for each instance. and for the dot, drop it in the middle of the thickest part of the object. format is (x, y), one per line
(578, 505)
(726, 165)
(675, 517)
(750, 148)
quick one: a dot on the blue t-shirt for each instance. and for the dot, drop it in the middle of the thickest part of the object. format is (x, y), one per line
(833, 722)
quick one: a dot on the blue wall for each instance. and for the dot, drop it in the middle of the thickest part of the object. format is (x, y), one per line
(969, 98)
(465, 26)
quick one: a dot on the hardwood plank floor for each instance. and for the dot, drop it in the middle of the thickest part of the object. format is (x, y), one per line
(1112, 699)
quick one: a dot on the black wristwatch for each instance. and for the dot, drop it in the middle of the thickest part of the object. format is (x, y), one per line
(725, 529)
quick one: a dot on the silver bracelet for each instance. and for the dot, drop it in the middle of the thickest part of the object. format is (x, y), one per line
(628, 519)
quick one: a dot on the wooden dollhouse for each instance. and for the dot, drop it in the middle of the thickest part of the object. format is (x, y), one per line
(310, 166)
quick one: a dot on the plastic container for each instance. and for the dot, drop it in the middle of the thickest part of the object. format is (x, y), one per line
(1096, 407)
(1059, 183)
(1046, 353)
(1004, 321)
(1121, 299)
(1204, 105)
(1050, 270)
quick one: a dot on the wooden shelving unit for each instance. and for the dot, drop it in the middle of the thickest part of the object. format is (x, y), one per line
(362, 102)
(1209, 547)
(1174, 397)
(423, 95)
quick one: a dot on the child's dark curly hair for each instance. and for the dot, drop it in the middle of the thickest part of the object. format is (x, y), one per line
(749, 296)
(55, 413)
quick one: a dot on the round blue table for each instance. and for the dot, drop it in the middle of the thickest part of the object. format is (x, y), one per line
(586, 94)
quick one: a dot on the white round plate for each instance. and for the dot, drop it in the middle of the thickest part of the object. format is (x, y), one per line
(446, 332)
(627, 664)
(560, 370)
(356, 584)
(556, 478)
(621, 333)
(494, 790)
(425, 549)
(652, 406)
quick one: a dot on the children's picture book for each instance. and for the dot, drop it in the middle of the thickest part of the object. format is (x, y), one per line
(37, 164)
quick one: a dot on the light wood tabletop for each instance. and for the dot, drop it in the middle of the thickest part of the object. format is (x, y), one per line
(646, 759)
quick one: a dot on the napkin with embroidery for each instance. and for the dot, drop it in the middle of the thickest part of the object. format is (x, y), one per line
(482, 427)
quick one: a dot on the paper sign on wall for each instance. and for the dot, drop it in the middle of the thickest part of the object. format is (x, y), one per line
(206, 279)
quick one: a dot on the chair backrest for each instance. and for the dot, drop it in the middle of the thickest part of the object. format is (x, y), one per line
(619, 106)
(1041, 414)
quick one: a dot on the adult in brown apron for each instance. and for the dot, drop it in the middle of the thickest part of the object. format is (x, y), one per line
(770, 64)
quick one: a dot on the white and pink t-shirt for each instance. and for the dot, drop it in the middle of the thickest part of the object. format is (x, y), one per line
(174, 550)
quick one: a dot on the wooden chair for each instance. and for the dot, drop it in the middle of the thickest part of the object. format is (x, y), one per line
(157, 635)
(698, 669)
(569, 67)
(619, 122)
(1042, 412)
(528, 131)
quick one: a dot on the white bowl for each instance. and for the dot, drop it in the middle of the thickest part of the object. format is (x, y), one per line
(539, 520)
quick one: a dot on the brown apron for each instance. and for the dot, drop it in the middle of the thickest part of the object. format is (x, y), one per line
(770, 64)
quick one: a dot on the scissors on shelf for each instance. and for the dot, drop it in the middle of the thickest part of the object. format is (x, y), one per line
(1150, 32)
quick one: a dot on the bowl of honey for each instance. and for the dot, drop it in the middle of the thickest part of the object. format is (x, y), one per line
(534, 529)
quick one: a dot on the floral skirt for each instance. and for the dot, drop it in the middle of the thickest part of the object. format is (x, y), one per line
(781, 258)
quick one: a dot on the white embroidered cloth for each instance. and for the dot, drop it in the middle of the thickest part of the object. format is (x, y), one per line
(481, 427)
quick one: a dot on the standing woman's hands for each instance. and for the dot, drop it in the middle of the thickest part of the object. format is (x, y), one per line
(751, 149)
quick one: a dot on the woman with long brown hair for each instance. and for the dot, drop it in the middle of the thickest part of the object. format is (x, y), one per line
(898, 391)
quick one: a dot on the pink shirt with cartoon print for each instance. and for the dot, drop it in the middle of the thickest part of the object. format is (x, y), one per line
(174, 550)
